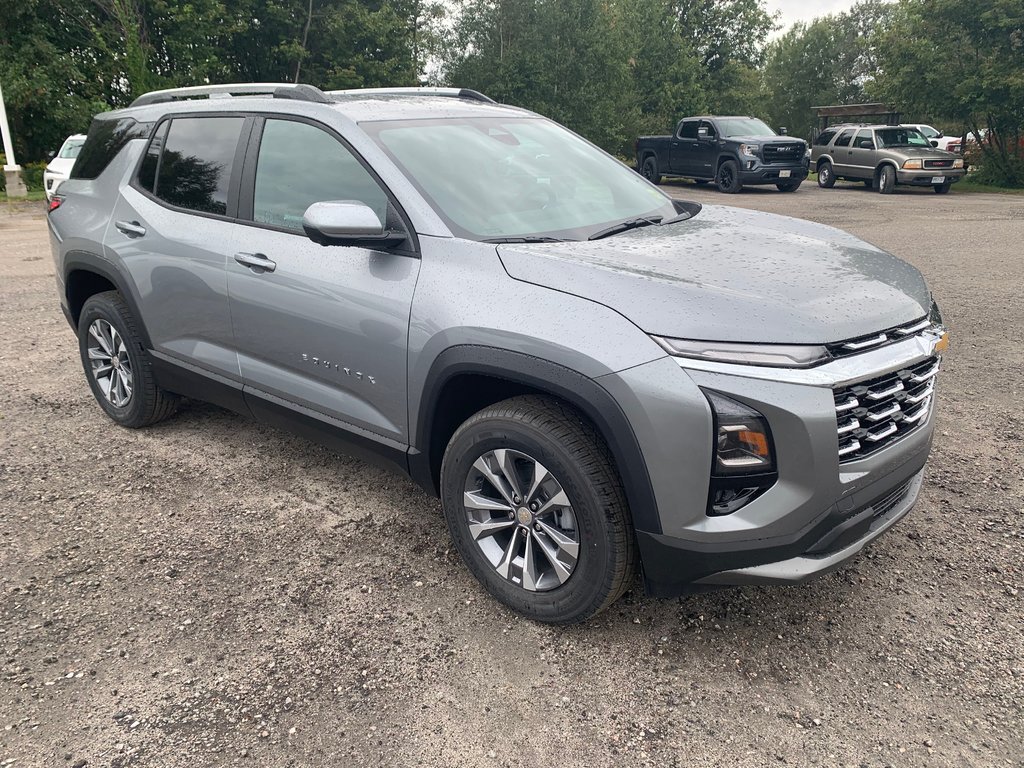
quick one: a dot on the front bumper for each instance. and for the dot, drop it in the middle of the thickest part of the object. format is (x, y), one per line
(818, 514)
(753, 172)
(927, 178)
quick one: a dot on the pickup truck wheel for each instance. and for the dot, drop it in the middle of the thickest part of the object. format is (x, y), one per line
(649, 170)
(791, 186)
(826, 178)
(116, 364)
(941, 189)
(536, 509)
(887, 180)
(728, 179)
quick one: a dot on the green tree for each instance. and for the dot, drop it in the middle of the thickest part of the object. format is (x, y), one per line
(962, 62)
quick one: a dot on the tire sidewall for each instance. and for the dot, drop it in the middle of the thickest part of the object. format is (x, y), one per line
(887, 173)
(99, 308)
(587, 584)
(735, 186)
(826, 179)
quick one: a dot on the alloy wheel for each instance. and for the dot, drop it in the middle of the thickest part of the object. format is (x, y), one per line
(109, 363)
(522, 520)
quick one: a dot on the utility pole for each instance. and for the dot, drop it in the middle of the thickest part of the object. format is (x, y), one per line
(12, 171)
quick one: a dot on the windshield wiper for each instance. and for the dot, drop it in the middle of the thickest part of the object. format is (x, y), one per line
(527, 239)
(625, 226)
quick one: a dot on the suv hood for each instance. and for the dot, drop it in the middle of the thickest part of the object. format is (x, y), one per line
(932, 152)
(734, 275)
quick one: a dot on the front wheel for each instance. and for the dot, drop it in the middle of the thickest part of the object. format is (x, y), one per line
(789, 186)
(887, 180)
(728, 178)
(649, 170)
(536, 509)
(941, 189)
(826, 178)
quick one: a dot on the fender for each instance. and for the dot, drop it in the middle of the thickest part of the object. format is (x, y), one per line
(584, 393)
(91, 262)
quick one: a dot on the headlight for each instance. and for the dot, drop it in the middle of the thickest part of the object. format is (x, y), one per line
(750, 150)
(958, 163)
(772, 355)
(912, 165)
(743, 465)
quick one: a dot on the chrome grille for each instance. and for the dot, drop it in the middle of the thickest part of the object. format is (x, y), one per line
(855, 346)
(782, 153)
(872, 414)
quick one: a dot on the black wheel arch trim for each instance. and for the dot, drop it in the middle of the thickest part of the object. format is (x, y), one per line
(580, 391)
(85, 261)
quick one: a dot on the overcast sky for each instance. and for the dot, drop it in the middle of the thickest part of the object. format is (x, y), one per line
(804, 10)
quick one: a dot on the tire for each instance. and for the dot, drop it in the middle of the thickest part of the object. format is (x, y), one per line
(791, 186)
(826, 178)
(728, 178)
(887, 180)
(128, 393)
(649, 170)
(520, 434)
(941, 189)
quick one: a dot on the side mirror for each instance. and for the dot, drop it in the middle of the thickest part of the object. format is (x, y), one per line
(866, 144)
(935, 143)
(783, 131)
(702, 132)
(50, 155)
(347, 222)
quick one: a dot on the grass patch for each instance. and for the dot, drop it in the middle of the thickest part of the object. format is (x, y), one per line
(968, 185)
(34, 195)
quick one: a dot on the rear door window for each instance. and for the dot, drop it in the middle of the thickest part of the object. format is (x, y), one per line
(194, 166)
(844, 138)
(300, 164)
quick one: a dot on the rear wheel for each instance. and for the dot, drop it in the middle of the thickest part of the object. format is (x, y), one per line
(941, 189)
(537, 511)
(826, 178)
(117, 366)
(728, 179)
(887, 180)
(649, 170)
(789, 186)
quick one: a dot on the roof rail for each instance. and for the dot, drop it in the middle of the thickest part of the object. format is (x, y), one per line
(299, 92)
(453, 93)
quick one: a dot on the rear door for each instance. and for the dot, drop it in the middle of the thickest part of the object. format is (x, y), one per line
(685, 148)
(173, 231)
(842, 155)
(861, 158)
(321, 331)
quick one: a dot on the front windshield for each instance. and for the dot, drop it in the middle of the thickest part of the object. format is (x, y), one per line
(744, 126)
(900, 137)
(71, 149)
(512, 177)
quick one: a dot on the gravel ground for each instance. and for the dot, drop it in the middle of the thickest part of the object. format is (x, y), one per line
(214, 592)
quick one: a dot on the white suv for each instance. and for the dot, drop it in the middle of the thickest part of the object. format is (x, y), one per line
(59, 167)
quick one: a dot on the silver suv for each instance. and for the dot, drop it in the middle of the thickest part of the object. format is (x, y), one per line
(594, 378)
(883, 157)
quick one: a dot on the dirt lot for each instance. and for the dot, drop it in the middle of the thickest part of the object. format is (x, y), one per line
(213, 592)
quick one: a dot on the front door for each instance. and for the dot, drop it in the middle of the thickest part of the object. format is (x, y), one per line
(705, 155)
(320, 330)
(685, 149)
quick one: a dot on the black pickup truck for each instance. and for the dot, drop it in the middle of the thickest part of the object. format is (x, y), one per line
(731, 151)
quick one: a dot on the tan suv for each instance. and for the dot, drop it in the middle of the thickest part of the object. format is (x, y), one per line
(883, 156)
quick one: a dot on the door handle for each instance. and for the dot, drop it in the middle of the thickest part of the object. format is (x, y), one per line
(256, 261)
(131, 228)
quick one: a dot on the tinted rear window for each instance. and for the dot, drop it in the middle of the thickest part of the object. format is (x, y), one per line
(195, 165)
(105, 139)
(825, 137)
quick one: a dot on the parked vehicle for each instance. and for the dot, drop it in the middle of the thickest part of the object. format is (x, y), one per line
(883, 157)
(731, 151)
(61, 163)
(593, 377)
(936, 138)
